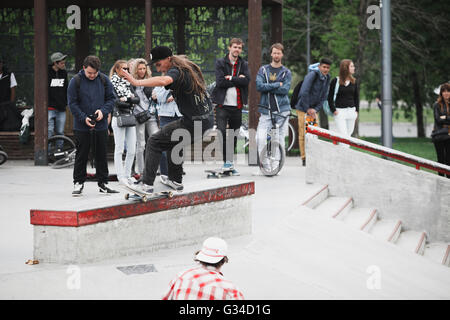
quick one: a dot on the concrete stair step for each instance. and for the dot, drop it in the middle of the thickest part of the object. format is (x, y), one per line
(413, 241)
(361, 218)
(438, 252)
(334, 207)
(386, 229)
(317, 197)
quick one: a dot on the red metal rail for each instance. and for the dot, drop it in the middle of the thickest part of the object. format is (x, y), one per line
(384, 151)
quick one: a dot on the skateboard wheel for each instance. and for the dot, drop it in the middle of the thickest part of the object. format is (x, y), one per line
(127, 196)
(170, 194)
(144, 198)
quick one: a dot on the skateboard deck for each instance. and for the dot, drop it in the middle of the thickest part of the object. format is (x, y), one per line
(219, 173)
(144, 197)
(310, 121)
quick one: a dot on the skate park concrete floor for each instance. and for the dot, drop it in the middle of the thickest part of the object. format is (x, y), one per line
(290, 255)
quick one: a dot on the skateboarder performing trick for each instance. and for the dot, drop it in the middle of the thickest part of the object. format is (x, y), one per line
(185, 79)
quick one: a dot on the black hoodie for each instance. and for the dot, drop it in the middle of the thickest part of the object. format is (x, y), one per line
(57, 89)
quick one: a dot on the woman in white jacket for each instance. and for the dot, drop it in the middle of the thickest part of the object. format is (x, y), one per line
(122, 135)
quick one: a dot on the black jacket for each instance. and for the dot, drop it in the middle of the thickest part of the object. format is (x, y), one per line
(441, 130)
(57, 89)
(224, 68)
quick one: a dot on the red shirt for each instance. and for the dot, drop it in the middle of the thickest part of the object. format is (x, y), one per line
(202, 283)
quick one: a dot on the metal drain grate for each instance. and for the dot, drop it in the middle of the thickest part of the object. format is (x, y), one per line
(138, 269)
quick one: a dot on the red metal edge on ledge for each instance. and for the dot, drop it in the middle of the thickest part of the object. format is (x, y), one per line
(393, 155)
(125, 210)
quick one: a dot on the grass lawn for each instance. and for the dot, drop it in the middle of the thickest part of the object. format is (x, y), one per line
(420, 147)
(374, 115)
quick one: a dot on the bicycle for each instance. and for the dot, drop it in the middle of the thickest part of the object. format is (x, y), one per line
(272, 156)
(3, 156)
(243, 132)
(61, 151)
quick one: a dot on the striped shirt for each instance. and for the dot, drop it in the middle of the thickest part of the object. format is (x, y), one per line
(202, 283)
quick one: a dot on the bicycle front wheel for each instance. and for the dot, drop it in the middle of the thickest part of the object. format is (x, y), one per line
(291, 136)
(59, 147)
(3, 157)
(271, 159)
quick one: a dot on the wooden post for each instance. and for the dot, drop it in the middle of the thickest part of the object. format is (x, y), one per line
(40, 82)
(148, 29)
(254, 57)
(181, 21)
(82, 39)
(277, 23)
(81, 52)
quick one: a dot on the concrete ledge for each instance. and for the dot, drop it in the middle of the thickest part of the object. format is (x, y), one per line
(129, 228)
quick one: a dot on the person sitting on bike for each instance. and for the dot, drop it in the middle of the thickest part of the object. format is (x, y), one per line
(273, 81)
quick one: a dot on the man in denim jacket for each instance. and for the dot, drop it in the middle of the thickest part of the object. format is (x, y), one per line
(273, 81)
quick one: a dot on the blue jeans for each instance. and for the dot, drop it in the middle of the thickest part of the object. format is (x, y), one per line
(163, 164)
(56, 123)
(265, 124)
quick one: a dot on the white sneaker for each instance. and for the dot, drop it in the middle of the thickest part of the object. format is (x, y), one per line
(131, 180)
(163, 179)
(174, 185)
(77, 189)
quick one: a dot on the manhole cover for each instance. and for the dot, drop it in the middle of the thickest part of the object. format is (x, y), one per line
(138, 269)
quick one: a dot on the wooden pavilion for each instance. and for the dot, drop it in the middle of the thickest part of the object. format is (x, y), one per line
(41, 36)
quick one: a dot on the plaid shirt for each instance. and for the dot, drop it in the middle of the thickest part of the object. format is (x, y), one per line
(238, 91)
(202, 283)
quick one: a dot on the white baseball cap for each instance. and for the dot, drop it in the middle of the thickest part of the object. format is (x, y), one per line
(213, 250)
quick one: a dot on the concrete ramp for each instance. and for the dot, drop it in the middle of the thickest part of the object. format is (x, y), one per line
(315, 257)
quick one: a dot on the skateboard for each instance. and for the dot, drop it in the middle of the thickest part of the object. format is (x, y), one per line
(219, 173)
(144, 197)
(310, 121)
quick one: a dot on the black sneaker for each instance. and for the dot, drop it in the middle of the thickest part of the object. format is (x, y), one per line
(104, 189)
(77, 189)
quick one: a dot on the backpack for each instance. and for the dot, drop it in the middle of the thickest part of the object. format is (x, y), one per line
(294, 97)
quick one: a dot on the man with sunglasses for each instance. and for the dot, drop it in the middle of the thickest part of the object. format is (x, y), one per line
(185, 79)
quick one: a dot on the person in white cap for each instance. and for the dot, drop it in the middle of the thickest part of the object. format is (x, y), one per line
(205, 282)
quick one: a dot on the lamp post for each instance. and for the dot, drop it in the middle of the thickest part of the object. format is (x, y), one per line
(386, 62)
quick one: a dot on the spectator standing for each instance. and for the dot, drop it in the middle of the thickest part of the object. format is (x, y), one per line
(441, 131)
(9, 115)
(57, 94)
(140, 71)
(167, 112)
(91, 98)
(313, 93)
(123, 136)
(273, 81)
(205, 282)
(186, 81)
(230, 94)
(343, 99)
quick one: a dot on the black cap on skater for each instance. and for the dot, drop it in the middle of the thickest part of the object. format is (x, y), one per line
(159, 53)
